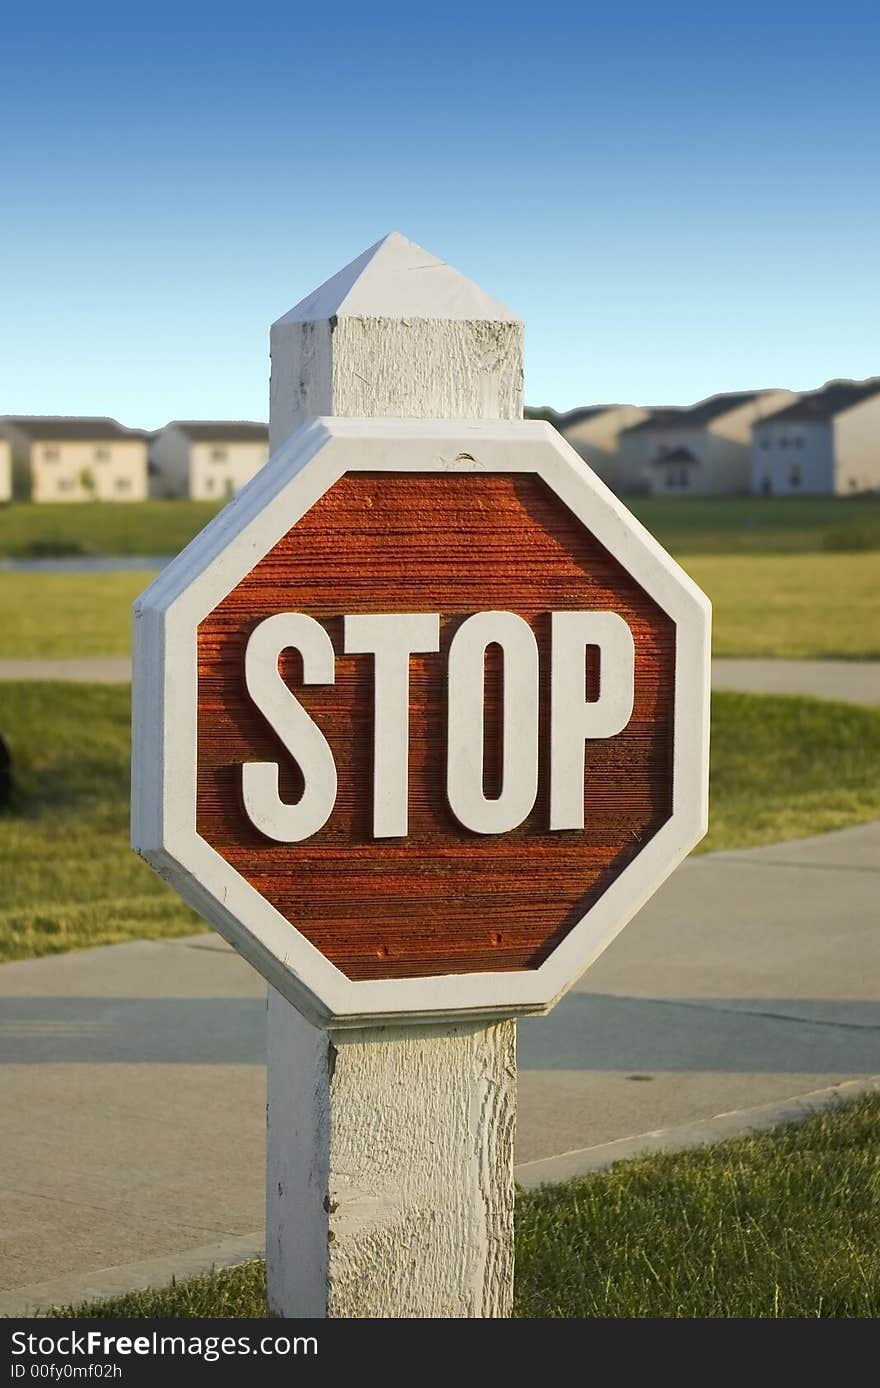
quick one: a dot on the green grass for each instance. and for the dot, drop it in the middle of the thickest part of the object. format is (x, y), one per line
(779, 1225)
(785, 768)
(94, 527)
(822, 606)
(238, 1292)
(781, 768)
(761, 525)
(719, 525)
(66, 616)
(69, 878)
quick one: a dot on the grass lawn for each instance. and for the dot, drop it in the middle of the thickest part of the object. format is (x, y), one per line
(781, 768)
(822, 605)
(709, 525)
(782, 1224)
(67, 615)
(69, 878)
(761, 525)
(95, 527)
(785, 768)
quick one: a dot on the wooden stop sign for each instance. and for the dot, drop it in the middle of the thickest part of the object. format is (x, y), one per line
(421, 719)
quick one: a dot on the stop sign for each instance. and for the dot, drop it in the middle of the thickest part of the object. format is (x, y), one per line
(420, 719)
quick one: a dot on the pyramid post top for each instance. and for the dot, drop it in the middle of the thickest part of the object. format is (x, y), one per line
(396, 278)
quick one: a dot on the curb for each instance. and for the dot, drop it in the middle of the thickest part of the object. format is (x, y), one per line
(738, 1123)
(77, 1287)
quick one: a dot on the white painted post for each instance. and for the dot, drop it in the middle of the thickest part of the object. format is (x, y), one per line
(390, 1149)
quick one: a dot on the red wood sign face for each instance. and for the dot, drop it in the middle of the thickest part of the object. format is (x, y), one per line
(440, 899)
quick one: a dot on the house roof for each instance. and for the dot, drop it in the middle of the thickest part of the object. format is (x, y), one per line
(695, 416)
(72, 427)
(832, 399)
(567, 421)
(221, 430)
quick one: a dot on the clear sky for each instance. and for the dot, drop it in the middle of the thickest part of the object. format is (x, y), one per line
(677, 198)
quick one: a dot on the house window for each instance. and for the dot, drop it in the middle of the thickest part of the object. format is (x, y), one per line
(65, 484)
(783, 442)
(102, 454)
(123, 484)
(798, 441)
(209, 484)
(218, 455)
(670, 477)
(50, 455)
(794, 476)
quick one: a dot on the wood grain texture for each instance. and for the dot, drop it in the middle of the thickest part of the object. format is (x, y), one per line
(424, 1228)
(414, 368)
(402, 1139)
(442, 900)
(457, 368)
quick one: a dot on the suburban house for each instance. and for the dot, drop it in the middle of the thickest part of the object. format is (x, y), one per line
(594, 432)
(5, 470)
(206, 460)
(826, 443)
(697, 450)
(76, 458)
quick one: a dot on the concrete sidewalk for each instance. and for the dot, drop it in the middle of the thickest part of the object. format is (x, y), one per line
(854, 681)
(97, 669)
(132, 1084)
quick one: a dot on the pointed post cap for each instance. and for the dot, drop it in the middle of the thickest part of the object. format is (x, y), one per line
(396, 278)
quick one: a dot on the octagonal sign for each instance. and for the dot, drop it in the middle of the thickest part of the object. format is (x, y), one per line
(420, 719)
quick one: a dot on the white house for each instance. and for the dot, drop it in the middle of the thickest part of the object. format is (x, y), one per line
(5, 470)
(696, 450)
(76, 458)
(207, 460)
(827, 443)
(594, 431)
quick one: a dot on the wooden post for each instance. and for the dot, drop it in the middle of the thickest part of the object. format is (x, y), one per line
(390, 1149)
(390, 1155)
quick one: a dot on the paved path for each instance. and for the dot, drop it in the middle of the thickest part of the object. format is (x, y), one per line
(101, 669)
(132, 1084)
(855, 681)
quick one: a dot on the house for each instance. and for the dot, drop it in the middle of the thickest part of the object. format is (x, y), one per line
(826, 443)
(594, 432)
(76, 458)
(697, 450)
(207, 460)
(5, 470)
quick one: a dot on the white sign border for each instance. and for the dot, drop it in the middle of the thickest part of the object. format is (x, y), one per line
(165, 691)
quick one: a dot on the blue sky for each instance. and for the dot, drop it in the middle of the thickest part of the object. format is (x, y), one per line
(676, 198)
